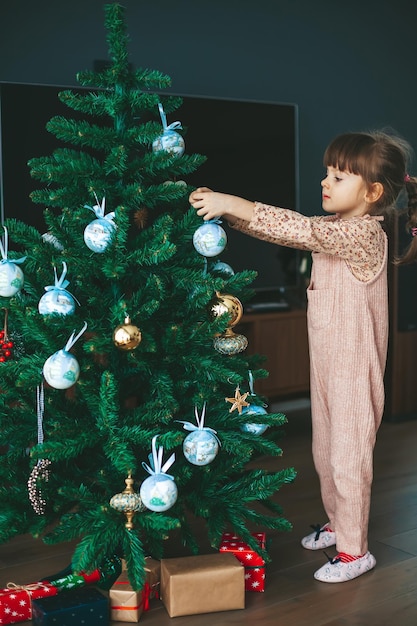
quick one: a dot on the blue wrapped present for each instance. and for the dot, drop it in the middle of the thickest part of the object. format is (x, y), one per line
(82, 605)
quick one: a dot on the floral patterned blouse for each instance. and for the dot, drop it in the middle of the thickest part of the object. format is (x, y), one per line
(360, 241)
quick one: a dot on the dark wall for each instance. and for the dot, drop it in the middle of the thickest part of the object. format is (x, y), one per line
(348, 65)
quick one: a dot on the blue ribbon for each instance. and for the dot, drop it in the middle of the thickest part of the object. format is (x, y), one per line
(215, 220)
(252, 393)
(172, 126)
(200, 423)
(4, 249)
(155, 466)
(74, 338)
(61, 283)
(98, 209)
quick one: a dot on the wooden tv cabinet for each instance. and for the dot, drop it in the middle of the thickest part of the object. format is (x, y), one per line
(282, 338)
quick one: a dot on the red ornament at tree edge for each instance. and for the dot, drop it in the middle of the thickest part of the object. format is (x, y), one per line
(6, 346)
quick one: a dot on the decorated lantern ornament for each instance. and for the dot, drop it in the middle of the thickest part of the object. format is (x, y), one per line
(169, 141)
(158, 492)
(11, 276)
(61, 370)
(210, 238)
(57, 299)
(229, 342)
(127, 336)
(200, 447)
(99, 233)
(254, 411)
(127, 502)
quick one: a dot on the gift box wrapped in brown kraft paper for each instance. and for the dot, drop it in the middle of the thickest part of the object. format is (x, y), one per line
(202, 584)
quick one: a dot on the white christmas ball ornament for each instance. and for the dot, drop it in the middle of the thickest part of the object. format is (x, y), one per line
(98, 234)
(61, 370)
(158, 492)
(200, 447)
(56, 301)
(11, 279)
(210, 239)
(251, 427)
(170, 141)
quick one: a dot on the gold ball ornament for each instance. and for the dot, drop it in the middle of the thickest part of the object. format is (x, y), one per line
(226, 303)
(127, 336)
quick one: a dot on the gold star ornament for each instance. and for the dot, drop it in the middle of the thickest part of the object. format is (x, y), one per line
(238, 402)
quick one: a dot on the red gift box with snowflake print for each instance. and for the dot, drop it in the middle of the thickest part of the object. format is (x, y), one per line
(16, 600)
(254, 564)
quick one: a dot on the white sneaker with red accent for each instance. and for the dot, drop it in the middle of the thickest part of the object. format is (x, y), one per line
(337, 571)
(321, 538)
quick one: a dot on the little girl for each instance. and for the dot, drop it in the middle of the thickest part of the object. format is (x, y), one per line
(347, 319)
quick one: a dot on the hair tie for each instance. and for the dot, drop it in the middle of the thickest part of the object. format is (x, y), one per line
(407, 178)
(414, 231)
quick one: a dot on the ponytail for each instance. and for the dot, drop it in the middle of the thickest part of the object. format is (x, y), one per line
(410, 253)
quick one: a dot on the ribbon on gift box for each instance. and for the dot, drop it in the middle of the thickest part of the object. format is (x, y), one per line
(32, 587)
(153, 576)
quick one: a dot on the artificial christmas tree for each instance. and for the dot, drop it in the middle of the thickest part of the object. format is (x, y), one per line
(120, 356)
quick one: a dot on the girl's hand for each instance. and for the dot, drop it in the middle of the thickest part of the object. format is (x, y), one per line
(210, 204)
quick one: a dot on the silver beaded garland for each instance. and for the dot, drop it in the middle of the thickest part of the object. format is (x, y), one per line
(39, 473)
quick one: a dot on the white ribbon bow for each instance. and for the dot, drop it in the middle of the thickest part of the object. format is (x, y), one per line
(4, 250)
(155, 460)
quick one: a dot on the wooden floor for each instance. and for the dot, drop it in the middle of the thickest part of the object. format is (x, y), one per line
(385, 596)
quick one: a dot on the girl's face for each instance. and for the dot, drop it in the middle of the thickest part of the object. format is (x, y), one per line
(344, 193)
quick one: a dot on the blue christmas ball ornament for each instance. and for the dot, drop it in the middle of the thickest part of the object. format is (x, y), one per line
(170, 141)
(200, 447)
(210, 239)
(250, 427)
(11, 276)
(11, 279)
(98, 234)
(61, 370)
(56, 301)
(158, 492)
(224, 270)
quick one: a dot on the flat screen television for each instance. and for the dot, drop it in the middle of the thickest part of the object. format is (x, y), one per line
(251, 149)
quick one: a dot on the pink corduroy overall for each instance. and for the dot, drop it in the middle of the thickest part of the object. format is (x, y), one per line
(348, 335)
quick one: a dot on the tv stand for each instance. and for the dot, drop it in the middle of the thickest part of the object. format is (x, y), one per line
(265, 307)
(281, 336)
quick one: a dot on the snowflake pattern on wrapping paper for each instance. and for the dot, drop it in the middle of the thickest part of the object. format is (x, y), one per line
(16, 605)
(254, 564)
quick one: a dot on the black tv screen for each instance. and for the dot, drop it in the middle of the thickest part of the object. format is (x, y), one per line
(251, 149)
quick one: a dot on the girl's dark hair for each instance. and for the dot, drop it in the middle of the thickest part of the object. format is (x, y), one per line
(379, 157)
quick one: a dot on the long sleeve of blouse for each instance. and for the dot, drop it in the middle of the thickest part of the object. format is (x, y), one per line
(360, 241)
